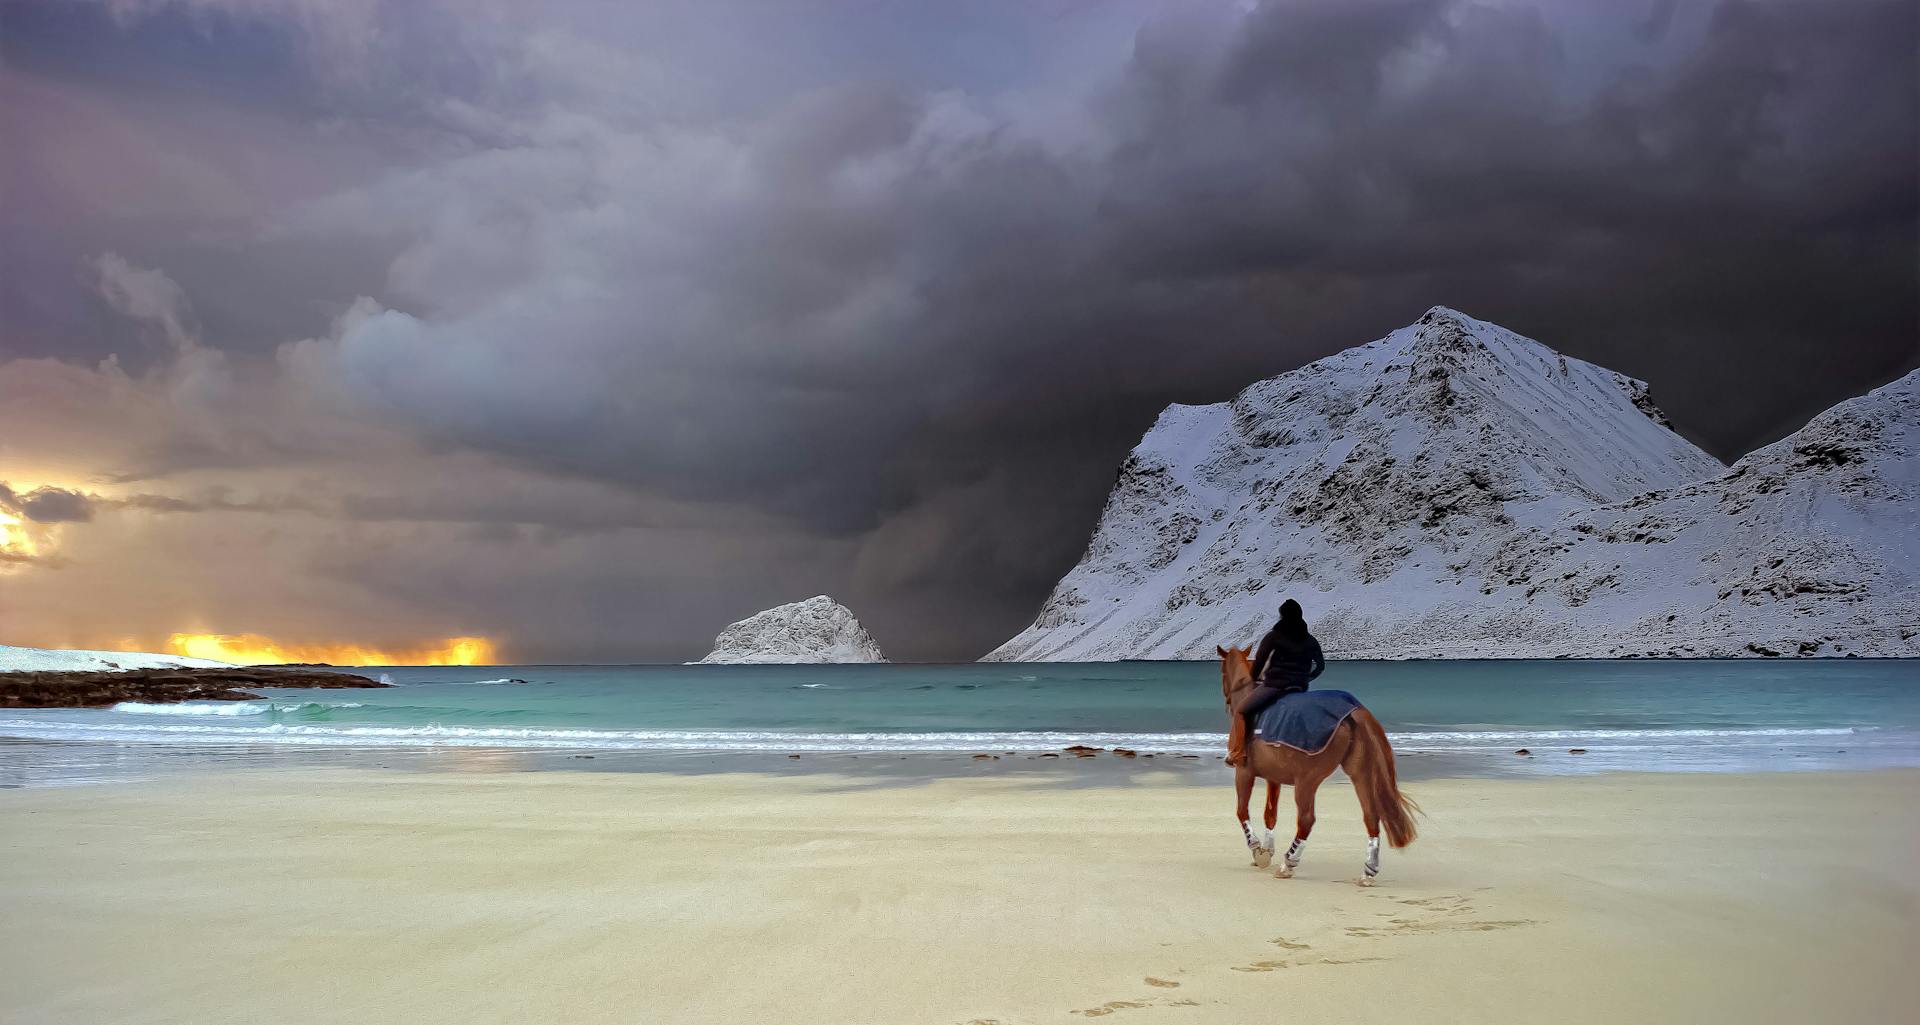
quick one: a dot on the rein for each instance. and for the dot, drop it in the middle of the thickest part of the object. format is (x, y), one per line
(1240, 686)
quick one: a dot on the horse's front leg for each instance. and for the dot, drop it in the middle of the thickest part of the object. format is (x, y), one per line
(1243, 795)
(1303, 794)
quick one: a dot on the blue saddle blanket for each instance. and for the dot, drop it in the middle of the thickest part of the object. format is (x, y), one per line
(1304, 720)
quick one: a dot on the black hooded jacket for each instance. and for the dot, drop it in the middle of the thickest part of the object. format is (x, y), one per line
(1287, 661)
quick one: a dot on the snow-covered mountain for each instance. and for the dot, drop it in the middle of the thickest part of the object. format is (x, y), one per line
(816, 630)
(65, 660)
(1457, 490)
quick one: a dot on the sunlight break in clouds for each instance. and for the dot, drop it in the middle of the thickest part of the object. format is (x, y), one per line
(16, 545)
(253, 649)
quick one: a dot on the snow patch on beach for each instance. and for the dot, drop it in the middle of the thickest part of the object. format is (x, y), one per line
(72, 660)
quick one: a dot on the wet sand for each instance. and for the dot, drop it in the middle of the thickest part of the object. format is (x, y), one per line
(368, 896)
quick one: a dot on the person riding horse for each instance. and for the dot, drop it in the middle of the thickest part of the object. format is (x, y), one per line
(1286, 662)
(1313, 734)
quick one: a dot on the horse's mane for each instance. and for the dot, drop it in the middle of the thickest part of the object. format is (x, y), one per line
(1236, 671)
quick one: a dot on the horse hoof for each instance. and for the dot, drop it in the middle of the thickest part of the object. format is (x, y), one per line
(1283, 872)
(1263, 857)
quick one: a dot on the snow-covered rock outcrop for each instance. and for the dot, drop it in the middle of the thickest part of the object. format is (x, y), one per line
(73, 660)
(816, 630)
(1457, 490)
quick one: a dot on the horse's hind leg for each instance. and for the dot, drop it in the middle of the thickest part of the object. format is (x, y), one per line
(1304, 791)
(1369, 815)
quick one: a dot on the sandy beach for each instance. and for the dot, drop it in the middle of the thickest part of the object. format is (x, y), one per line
(370, 896)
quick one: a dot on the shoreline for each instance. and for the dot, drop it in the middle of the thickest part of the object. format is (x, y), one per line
(1443, 719)
(31, 763)
(310, 895)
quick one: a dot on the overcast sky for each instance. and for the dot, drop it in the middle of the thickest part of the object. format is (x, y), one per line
(590, 326)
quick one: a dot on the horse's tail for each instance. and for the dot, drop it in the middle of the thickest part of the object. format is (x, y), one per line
(1371, 766)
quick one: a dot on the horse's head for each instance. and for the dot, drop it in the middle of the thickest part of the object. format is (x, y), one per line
(1236, 672)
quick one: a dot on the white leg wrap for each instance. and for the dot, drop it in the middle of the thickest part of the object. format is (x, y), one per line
(1373, 856)
(1294, 851)
(1262, 851)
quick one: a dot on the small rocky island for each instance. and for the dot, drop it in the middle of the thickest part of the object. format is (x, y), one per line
(815, 631)
(103, 688)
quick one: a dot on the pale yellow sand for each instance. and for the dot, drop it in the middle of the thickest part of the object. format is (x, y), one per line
(371, 897)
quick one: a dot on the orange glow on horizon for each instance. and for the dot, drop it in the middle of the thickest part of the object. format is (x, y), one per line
(253, 649)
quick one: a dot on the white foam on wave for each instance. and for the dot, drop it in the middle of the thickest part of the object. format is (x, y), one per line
(438, 735)
(1443, 740)
(228, 708)
(194, 708)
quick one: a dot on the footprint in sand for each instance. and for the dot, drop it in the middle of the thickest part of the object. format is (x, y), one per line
(1452, 913)
(1447, 905)
(1109, 1007)
(1268, 966)
(1162, 983)
(1409, 927)
(1284, 944)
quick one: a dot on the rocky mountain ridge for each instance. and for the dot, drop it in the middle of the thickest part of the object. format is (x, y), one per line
(1457, 490)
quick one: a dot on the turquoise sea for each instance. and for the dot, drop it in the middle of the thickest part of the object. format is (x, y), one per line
(1444, 717)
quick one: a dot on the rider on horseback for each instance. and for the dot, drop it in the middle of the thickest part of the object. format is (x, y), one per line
(1287, 660)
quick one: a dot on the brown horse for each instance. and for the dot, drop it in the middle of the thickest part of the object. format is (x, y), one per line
(1359, 746)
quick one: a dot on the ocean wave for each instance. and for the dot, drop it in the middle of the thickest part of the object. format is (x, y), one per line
(231, 708)
(194, 708)
(315, 706)
(1442, 736)
(694, 740)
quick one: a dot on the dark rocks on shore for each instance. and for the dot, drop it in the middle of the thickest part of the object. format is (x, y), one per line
(1125, 753)
(1576, 750)
(1523, 751)
(1081, 751)
(98, 689)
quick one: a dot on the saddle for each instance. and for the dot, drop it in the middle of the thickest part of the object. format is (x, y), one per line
(1305, 720)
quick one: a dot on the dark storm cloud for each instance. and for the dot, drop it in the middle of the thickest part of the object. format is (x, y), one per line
(47, 505)
(917, 311)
